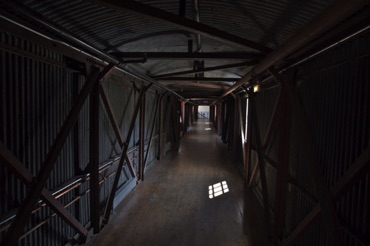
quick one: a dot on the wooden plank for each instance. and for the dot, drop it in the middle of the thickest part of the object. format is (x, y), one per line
(322, 189)
(26, 177)
(39, 181)
(112, 193)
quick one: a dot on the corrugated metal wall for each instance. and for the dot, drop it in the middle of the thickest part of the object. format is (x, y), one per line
(37, 91)
(334, 91)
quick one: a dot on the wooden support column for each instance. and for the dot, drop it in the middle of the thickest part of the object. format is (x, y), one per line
(151, 135)
(12, 162)
(94, 159)
(38, 183)
(282, 173)
(261, 163)
(322, 189)
(142, 138)
(112, 193)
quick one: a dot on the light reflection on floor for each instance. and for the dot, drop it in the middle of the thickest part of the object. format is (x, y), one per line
(217, 189)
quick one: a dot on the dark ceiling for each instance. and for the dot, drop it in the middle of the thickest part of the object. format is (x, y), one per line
(159, 38)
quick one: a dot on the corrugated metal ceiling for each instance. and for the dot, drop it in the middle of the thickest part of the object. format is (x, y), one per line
(269, 23)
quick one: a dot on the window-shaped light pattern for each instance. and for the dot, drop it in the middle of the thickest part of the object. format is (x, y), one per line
(217, 189)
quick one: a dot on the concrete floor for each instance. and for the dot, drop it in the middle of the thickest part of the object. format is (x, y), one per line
(172, 206)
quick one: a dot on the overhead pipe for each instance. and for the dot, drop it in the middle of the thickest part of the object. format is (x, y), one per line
(327, 19)
(95, 52)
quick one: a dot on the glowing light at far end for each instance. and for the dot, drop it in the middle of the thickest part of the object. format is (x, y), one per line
(208, 129)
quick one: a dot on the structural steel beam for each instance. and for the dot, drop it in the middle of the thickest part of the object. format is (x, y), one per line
(261, 163)
(39, 181)
(282, 169)
(268, 136)
(327, 19)
(94, 159)
(116, 129)
(181, 85)
(358, 169)
(208, 69)
(322, 189)
(112, 194)
(151, 135)
(187, 56)
(242, 131)
(183, 23)
(27, 30)
(160, 145)
(142, 137)
(204, 79)
(26, 177)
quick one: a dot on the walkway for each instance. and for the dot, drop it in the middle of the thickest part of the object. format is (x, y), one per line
(172, 206)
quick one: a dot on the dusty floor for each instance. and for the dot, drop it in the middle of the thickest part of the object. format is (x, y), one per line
(172, 206)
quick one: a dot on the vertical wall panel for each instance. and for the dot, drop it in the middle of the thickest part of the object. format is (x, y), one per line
(38, 89)
(334, 91)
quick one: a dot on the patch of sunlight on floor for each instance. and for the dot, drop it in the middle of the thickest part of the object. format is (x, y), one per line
(217, 189)
(208, 129)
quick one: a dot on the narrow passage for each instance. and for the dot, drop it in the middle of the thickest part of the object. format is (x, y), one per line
(173, 205)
